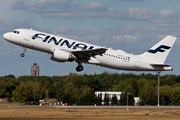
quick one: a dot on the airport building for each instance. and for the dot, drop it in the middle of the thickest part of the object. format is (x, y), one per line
(35, 70)
(110, 94)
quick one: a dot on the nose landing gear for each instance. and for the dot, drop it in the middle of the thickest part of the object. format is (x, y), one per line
(22, 54)
(79, 67)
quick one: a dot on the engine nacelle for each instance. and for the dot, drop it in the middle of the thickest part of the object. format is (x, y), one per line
(62, 56)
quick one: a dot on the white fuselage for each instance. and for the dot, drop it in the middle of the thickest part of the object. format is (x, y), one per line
(48, 43)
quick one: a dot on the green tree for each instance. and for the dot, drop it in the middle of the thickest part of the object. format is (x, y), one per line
(10, 76)
(38, 91)
(70, 91)
(140, 84)
(129, 85)
(126, 96)
(165, 95)
(59, 90)
(114, 100)
(99, 99)
(68, 99)
(79, 101)
(148, 96)
(3, 86)
(86, 99)
(123, 99)
(175, 96)
(24, 92)
(106, 99)
(131, 99)
(94, 98)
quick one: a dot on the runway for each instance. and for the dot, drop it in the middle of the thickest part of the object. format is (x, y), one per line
(118, 107)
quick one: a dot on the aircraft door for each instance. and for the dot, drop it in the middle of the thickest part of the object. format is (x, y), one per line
(27, 35)
(137, 62)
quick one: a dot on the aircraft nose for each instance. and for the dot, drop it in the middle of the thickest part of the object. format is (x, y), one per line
(6, 36)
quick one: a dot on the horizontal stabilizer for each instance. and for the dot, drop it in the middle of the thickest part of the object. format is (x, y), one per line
(163, 66)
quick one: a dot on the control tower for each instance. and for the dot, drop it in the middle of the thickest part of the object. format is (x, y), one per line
(35, 70)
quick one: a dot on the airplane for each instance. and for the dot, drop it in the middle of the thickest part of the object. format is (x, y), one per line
(68, 50)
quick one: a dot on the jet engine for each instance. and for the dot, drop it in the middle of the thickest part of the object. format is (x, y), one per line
(62, 56)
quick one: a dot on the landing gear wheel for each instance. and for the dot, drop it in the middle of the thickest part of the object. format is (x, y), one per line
(24, 50)
(79, 68)
(22, 54)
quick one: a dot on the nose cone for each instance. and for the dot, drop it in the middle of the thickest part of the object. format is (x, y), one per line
(6, 36)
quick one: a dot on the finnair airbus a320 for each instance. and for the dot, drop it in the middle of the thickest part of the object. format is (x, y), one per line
(64, 49)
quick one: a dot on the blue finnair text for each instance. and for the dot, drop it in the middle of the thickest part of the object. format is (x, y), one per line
(62, 42)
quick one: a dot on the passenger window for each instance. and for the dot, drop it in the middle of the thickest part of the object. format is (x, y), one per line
(17, 32)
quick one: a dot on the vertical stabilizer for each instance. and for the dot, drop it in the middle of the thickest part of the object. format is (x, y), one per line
(160, 51)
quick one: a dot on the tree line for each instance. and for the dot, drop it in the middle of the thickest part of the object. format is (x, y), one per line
(80, 89)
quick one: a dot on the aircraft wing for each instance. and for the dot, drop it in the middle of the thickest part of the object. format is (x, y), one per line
(90, 53)
(86, 54)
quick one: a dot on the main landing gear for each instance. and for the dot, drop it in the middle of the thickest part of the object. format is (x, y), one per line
(22, 54)
(79, 67)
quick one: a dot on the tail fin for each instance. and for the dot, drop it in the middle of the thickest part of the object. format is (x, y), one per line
(160, 51)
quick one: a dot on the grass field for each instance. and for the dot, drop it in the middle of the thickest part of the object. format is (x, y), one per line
(10, 111)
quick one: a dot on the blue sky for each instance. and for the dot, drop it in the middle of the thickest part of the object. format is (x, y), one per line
(131, 25)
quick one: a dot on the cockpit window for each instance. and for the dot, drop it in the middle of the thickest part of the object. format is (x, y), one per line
(16, 32)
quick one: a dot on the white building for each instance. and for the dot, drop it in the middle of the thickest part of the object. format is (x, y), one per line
(137, 100)
(110, 94)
